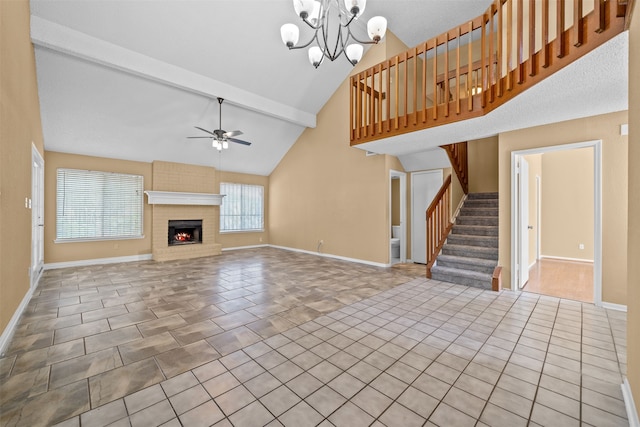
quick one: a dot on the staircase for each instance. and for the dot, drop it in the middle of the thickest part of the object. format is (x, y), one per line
(470, 254)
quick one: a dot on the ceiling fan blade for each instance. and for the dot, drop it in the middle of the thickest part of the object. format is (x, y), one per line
(233, 133)
(238, 141)
(195, 137)
(204, 130)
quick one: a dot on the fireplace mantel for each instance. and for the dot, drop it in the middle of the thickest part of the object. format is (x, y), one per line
(179, 198)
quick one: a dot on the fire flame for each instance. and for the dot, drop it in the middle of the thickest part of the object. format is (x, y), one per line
(182, 237)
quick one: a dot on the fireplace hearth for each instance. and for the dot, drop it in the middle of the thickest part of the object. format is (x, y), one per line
(185, 232)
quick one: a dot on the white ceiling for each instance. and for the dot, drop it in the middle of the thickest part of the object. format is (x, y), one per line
(130, 79)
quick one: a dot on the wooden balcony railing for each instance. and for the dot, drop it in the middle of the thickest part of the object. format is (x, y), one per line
(474, 68)
(438, 223)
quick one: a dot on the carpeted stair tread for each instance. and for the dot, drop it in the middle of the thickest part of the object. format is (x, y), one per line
(475, 230)
(471, 251)
(465, 239)
(481, 211)
(468, 263)
(477, 220)
(461, 277)
(474, 196)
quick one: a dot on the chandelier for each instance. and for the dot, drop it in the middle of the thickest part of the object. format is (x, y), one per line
(331, 24)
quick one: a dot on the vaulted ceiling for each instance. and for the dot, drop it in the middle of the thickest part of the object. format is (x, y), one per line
(130, 79)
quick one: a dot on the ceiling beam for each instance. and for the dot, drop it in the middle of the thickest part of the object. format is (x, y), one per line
(65, 40)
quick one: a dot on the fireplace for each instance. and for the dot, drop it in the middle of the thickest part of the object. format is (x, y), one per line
(185, 232)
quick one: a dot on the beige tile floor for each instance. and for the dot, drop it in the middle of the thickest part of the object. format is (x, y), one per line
(269, 337)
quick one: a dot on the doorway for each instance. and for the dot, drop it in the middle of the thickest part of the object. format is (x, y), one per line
(397, 217)
(556, 228)
(36, 203)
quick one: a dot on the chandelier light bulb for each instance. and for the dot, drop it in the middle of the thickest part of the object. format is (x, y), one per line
(315, 56)
(377, 27)
(354, 53)
(225, 144)
(290, 35)
(314, 17)
(355, 7)
(303, 8)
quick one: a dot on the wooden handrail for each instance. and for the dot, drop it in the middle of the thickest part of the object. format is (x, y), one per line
(458, 157)
(439, 223)
(478, 66)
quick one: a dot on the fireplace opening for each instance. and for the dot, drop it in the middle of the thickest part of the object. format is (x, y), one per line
(185, 232)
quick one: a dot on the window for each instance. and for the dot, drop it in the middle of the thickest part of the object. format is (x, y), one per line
(94, 205)
(243, 207)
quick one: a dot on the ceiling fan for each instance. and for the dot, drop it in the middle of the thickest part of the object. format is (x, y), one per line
(221, 137)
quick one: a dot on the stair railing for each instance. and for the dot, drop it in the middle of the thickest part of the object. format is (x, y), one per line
(458, 157)
(478, 66)
(439, 223)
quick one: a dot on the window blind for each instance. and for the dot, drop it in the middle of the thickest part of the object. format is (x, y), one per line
(95, 205)
(243, 207)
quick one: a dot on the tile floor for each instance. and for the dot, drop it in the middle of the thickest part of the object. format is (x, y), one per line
(269, 337)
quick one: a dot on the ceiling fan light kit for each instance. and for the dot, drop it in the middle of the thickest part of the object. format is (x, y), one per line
(220, 138)
(331, 22)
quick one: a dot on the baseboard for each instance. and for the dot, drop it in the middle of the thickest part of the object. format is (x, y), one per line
(457, 211)
(235, 248)
(10, 329)
(359, 261)
(629, 404)
(612, 306)
(97, 261)
(560, 258)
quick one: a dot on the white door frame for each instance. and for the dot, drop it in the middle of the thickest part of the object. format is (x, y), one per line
(36, 204)
(403, 213)
(597, 209)
(522, 212)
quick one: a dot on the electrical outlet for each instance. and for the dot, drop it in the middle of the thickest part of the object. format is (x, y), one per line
(581, 246)
(260, 239)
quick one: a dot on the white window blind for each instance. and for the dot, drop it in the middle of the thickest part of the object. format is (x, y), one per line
(243, 207)
(92, 205)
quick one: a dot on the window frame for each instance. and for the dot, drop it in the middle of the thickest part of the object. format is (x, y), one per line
(139, 188)
(242, 215)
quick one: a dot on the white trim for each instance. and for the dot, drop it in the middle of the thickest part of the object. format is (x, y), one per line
(402, 176)
(597, 199)
(7, 334)
(98, 261)
(359, 261)
(457, 211)
(236, 248)
(179, 198)
(629, 404)
(562, 258)
(612, 306)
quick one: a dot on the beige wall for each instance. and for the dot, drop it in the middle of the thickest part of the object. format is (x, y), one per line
(234, 240)
(633, 292)
(614, 189)
(567, 204)
(323, 189)
(20, 127)
(76, 251)
(482, 157)
(197, 179)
